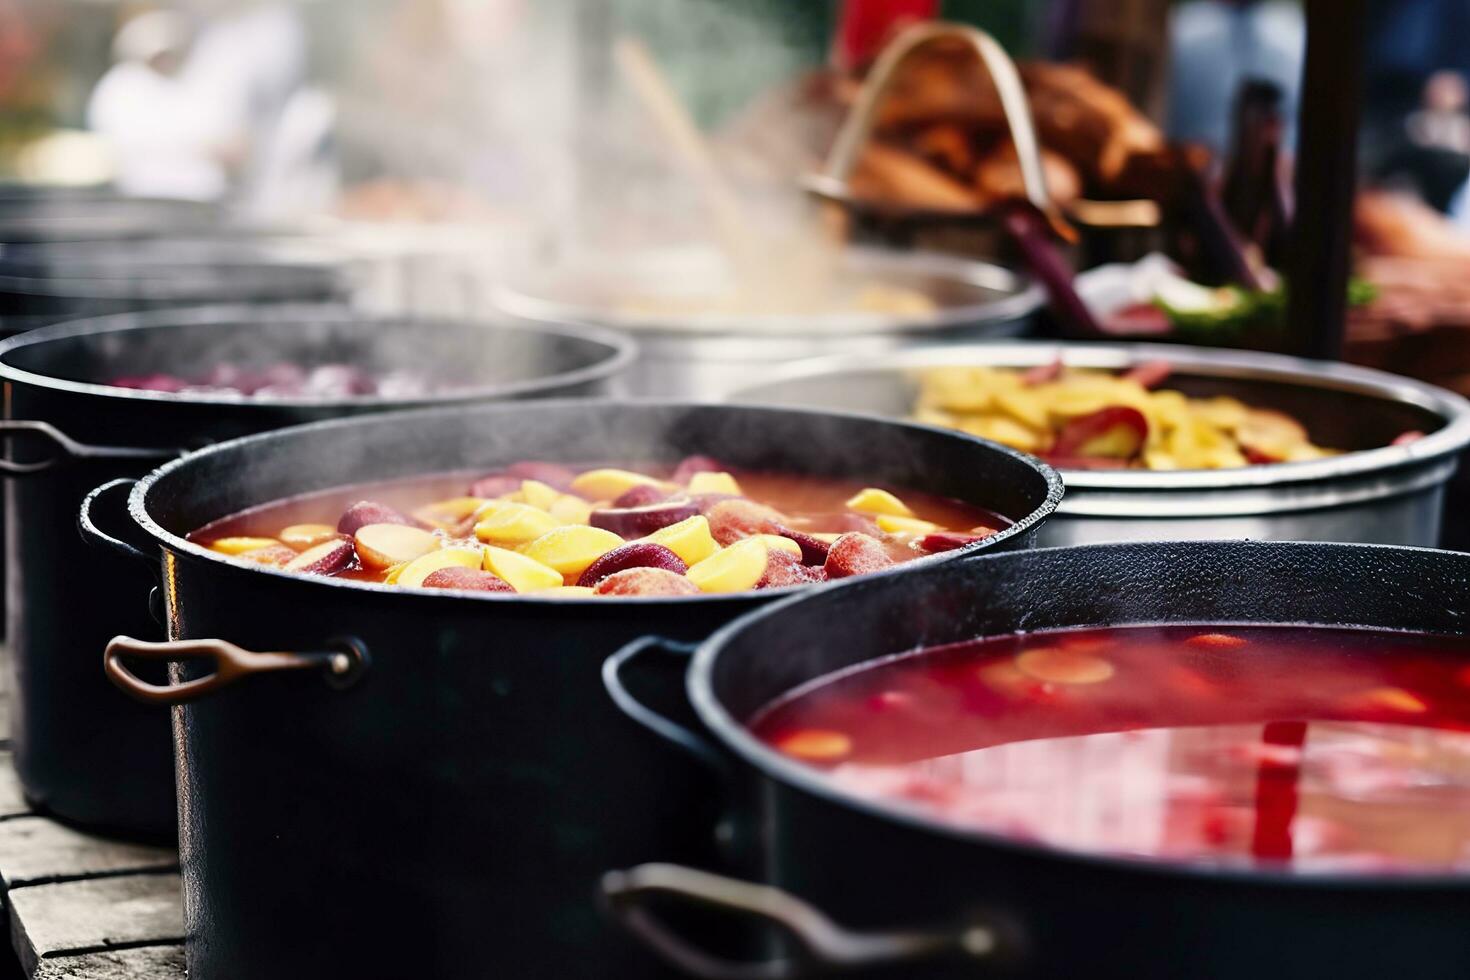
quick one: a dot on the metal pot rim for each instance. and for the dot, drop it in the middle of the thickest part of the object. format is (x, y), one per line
(137, 508)
(1026, 297)
(736, 737)
(1200, 361)
(624, 353)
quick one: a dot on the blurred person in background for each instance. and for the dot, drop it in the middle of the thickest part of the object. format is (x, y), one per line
(168, 138)
(1215, 46)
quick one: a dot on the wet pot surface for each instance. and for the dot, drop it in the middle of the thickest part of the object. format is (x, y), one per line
(459, 801)
(872, 866)
(85, 752)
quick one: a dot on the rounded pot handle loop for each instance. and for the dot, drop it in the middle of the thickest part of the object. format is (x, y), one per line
(90, 523)
(342, 665)
(819, 945)
(67, 448)
(628, 704)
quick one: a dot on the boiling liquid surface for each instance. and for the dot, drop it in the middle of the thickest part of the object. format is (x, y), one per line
(1309, 748)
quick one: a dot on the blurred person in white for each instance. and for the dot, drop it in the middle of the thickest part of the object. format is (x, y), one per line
(249, 60)
(167, 137)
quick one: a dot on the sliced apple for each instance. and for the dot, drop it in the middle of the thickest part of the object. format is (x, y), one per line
(1115, 432)
(381, 546)
(240, 544)
(415, 572)
(572, 549)
(524, 574)
(690, 539)
(513, 524)
(872, 500)
(894, 524)
(465, 580)
(734, 569)
(326, 558)
(303, 536)
(609, 484)
(715, 483)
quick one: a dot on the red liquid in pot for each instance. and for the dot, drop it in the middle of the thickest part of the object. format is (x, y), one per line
(686, 536)
(1314, 748)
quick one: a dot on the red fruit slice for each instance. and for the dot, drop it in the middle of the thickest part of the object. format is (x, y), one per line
(814, 550)
(640, 554)
(1257, 458)
(366, 512)
(856, 554)
(1405, 438)
(1116, 432)
(1042, 373)
(949, 541)
(641, 496)
(637, 522)
(1150, 374)
(783, 569)
(326, 558)
(646, 582)
(732, 520)
(466, 579)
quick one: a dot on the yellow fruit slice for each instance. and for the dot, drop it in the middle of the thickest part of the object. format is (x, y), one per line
(774, 542)
(539, 495)
(609, 484)
(381, 546)
(715, 483)
(815, 744)
(1060, 666)
(904, 525)
(521, 573)
(690, 539)
(413, 574)
(240, 545)
(511, 524)
(571, 549)
(734, 569)
(447, 513)
(874, 501)
(568, 592)
(571, 510)
(303, 536)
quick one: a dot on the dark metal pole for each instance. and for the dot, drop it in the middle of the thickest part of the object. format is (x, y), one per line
(1326, 176)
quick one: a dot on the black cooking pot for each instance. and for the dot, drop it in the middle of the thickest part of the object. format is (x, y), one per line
(32, 215)
(442, 807)
(919, 899)
(43, 284)
(84, 752)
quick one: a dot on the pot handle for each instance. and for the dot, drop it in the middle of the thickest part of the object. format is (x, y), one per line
(670, 731)
(342, 665)
(91, 527)
(820, 946)
(68, 448)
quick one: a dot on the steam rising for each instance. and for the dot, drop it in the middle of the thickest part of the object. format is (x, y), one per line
(521, 107)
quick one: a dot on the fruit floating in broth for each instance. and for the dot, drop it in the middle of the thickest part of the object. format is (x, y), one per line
(1085, 419)
(294, 381)
(563, 532)
(1302, 748)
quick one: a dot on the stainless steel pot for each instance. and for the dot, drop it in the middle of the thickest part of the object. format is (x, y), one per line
(1384, 495)
(704, 356)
